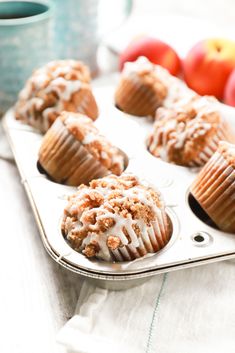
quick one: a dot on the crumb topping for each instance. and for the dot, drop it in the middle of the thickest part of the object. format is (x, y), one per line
(181, 133)
(84, 130)
(170, 91)
(50, 90)
(228, 152)
(141, 66)
(148, 73)
(109, 213)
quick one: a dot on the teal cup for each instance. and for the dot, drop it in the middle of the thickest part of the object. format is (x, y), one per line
(24, 45)
(80, 25)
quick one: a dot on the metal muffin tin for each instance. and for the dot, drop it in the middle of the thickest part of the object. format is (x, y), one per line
(193, 242)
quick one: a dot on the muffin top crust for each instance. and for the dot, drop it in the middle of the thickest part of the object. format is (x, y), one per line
(228, 152)
(171, 90)
(180, 134)
(84, 130)
(51, 89)
(141, 66)
(66, 69)
(142, 69)
(109, 213)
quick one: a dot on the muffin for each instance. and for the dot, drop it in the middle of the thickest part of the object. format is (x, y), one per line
(74, 152)
(140, 92)
(189, 135)
(144, 87)
(116, 218)
(214, 187)
(58, 86)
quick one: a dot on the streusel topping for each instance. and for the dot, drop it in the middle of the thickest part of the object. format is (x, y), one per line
(86, 132)
(109, 213)
(228, 152)
(170, 90)
(48, 89)
(148, 73)
(179, 134)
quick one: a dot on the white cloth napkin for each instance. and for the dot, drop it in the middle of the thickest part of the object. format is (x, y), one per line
(184, 311)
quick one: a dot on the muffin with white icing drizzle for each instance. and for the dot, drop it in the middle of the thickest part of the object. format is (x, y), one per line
(116, 219)
(214, 187)
(58, 86)
(144, 87)
(188, 135)
(139, 91)
(74, 152)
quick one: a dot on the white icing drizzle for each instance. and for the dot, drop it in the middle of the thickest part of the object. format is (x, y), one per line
(142, 64)
(178, 94)
(63, 87)
(168, 132)
(106, 211)
(229, 148)
(46, 80)
(40, 79)
(89, 138)
(177, 91)
(63, 70)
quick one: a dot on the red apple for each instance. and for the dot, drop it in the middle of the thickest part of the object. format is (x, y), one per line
(208, 66)
(229, 91)
(155, 50)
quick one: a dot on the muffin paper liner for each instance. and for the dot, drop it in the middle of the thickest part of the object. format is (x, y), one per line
(204, 156)
(152, 240)
(68, 162)
(214, 189)
(85, 103)
(133, 97)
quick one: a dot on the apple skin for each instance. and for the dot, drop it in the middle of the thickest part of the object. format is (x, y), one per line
(229, 91)
(208, 65)
(155, 50)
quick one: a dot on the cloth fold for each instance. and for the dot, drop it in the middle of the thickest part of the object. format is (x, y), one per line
(184, 311)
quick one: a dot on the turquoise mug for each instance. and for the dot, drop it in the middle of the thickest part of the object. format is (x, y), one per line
(24, 45)
(80, 25)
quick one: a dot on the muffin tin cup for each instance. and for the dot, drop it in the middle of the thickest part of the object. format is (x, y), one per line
(192, 242)
(69, 162)
(214, 189)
